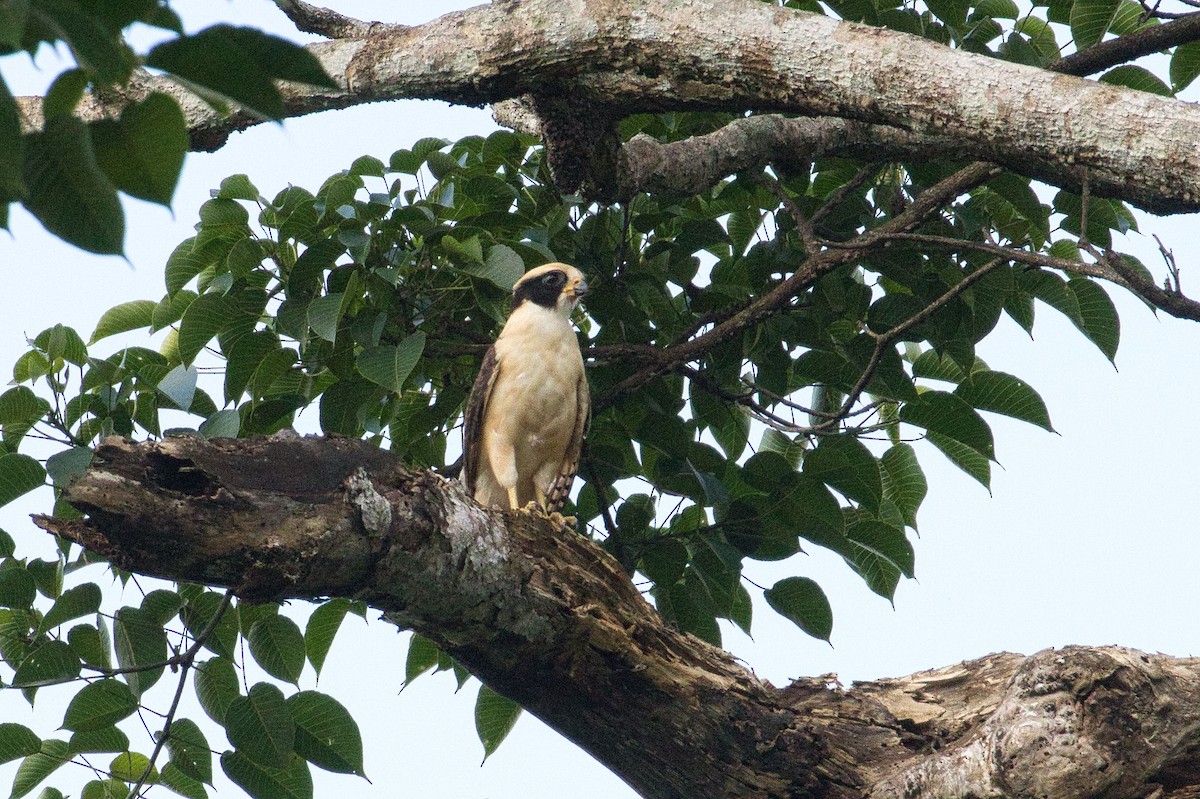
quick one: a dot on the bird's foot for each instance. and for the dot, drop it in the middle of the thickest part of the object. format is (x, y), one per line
(565, 522)
(556, 518)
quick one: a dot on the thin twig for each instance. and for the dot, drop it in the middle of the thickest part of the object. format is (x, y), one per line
(188, 659)
(883, 341)
(843, 191)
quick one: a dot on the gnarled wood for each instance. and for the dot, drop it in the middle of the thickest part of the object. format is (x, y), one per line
(548, 618)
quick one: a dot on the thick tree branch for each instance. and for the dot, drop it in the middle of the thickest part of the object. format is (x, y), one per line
(736, 55)
(549, 619)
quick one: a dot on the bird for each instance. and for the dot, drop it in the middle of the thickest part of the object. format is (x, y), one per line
(527, 412)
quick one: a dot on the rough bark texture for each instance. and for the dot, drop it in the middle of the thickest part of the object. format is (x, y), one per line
(612, 57)
(549, 619)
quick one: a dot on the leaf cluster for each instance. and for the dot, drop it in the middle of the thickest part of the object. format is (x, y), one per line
(69, 171)
(114, 660)
(369, 300)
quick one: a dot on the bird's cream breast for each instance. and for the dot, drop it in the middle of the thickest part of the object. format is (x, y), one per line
(539, 362)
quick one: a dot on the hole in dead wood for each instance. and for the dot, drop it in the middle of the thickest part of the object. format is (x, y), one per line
(181, 476)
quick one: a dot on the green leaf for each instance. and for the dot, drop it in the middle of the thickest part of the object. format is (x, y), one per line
(495, 716)
(260, 782)
(179, 385)
(260, 727)
(326, 735)
(222, 424)
(189, 750)
(104, 56)
(142, 152)
(802, 600)
(87, 642)
(69, 465)
(241, 64)
(503, 266)
(20, 406)
(880, 553)
(123, 318)
(64, 93)
(325, 314)
(1135, 77)
(278, 646)
(389, 366)
(208, 315)
(198, 614)
(47, 575)
(1098, 317)
(322, 626)
(903, 481)
(341, 406)
(1003, 393)
(17, 589)
(68, 192)
(37, 767)
(81, 600)
(244, 360)
(52, 662)
(17, 740)
(174, 778)
(98, 705)
(110, 788)
(217, 687)
(949, 416)
(130, 766)
(140, 641)
(422, 656)
(1090, 20)
(108, 739)
(1185, 65)
(963, 457)
(185, 262)
(847, 465)
(12, 144)
(162, 605)
(62, 343)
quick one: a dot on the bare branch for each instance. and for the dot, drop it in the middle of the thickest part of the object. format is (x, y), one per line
(323, 21)
(1131, 46)
(1110, 267)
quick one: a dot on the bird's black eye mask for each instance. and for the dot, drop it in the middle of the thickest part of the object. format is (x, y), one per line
(544, 290)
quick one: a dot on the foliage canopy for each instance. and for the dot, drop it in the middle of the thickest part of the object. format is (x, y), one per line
(721, 434)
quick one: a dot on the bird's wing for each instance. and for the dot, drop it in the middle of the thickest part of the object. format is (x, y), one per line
(557, 495)
(477, 404)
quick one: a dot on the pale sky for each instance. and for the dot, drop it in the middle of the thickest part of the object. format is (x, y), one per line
(1089, 537)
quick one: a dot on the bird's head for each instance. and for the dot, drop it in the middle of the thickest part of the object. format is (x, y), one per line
(557, 287)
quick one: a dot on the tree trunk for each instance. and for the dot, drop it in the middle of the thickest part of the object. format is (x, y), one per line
(549, 619)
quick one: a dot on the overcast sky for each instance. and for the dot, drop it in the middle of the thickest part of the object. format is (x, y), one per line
(1089, 537)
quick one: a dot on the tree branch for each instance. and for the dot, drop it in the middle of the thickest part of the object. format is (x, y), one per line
(1131, 46)
(1109, 267)
(547, 618)
(622, 56)
(323, 21)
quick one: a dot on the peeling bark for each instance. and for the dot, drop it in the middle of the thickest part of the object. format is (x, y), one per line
(614, 57)
(546, 617)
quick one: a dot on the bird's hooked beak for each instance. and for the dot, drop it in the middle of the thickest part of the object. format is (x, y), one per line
(580, 289)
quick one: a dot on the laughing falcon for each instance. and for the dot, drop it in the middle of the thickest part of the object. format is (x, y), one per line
(529, 406)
